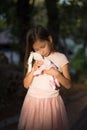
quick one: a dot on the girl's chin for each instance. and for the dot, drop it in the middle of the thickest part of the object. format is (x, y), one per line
(46, 55)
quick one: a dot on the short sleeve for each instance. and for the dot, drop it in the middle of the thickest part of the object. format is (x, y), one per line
(59, 59)
(63, 60)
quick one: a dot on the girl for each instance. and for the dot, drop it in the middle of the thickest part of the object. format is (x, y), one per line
(43, 107)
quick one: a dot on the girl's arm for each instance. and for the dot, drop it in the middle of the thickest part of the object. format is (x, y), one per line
(28, 79)
(29, 76)
(64, 78)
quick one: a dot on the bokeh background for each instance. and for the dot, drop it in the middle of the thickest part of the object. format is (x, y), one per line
(67, 22)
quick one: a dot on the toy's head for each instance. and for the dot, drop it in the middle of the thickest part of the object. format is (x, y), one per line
(33, 56)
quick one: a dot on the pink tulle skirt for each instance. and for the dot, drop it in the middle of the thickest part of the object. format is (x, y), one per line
(43, 114)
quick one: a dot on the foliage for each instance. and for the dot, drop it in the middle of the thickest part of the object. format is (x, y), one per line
(39, 14)
(73, 17)
(19, 15)
(79, 62)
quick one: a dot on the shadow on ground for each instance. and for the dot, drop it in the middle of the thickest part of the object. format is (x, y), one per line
(81, 123)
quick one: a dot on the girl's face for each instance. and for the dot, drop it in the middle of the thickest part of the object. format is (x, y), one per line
(42, 47)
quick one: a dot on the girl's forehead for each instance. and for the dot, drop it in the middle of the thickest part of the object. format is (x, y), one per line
(38, 44)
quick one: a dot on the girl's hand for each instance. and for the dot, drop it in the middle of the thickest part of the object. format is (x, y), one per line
(36, 65)
(52, 72)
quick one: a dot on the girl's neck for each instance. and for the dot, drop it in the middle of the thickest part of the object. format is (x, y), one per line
(52, 52)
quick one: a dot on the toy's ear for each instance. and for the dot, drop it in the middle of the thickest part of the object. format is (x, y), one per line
(31, 57)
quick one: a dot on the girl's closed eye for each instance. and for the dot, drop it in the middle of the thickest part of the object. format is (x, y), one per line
(43, 46)
(38, 45)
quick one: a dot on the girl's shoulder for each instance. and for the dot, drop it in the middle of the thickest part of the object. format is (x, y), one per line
(58, 55)
(58, 58)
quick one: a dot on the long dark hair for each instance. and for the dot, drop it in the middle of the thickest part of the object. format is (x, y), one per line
(35, 33)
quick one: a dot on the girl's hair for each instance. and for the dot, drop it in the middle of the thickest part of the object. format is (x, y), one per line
(35, 33)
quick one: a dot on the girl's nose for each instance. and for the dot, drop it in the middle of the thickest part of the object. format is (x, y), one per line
(41, 52)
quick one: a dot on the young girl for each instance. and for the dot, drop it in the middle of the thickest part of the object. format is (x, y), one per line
(43, 107)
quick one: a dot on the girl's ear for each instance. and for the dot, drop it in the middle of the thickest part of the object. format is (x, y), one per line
(50, 39)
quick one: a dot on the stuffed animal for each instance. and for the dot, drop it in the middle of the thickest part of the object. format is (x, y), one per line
(47, 64)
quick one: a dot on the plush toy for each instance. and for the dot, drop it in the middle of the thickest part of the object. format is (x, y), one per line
(47, 64)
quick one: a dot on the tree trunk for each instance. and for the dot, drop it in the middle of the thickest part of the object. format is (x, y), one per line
(53, 18)
(24, 10)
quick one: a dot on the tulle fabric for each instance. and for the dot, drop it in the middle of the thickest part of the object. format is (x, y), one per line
(43, 114)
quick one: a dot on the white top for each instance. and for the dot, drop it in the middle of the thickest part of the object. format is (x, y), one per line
(40, 86)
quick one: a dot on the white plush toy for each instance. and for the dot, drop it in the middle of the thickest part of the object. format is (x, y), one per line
(47, 64)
